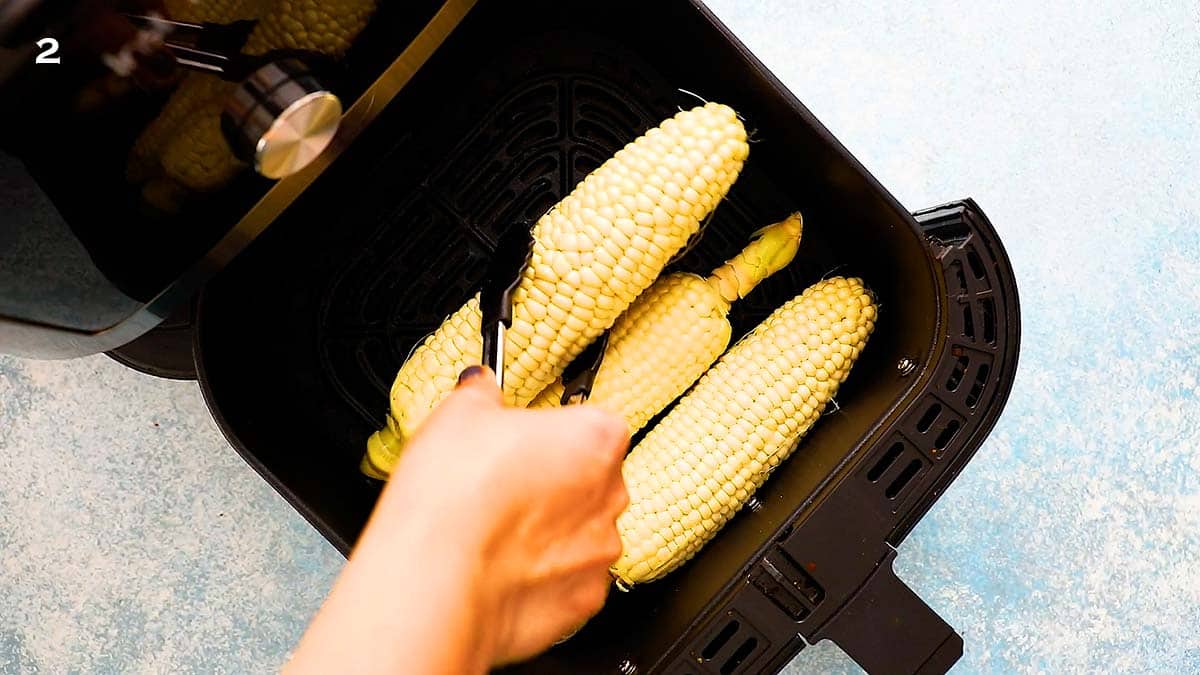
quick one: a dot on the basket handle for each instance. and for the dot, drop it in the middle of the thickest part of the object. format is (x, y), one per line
(888, 630)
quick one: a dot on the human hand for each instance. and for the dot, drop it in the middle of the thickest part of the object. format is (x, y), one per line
(491, 541)
(538, 492)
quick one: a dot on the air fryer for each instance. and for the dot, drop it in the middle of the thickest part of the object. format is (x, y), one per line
(464, 119)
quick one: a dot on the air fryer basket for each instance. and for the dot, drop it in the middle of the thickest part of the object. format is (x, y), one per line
(297, 341)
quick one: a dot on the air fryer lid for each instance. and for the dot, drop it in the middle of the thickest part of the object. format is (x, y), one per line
(98, 245)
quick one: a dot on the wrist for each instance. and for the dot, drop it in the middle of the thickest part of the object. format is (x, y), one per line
(427, 562)
(411, 593)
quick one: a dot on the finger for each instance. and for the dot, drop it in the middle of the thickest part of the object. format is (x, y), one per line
(587, 593)
(610, 431)
(607, 496)
(579, 451)
(565, 605)
(595, 545)
(609, 545)
(618, 499)
(548, 611)
(591, 430)
(478, 383)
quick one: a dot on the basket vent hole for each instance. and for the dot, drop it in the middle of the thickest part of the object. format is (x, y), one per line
(903, 479)
(802, 580)
(540, 205)
(976, 265)
(956, 268)
(981, 376)
(929, 417)
(715, 645)
(494, 211)
(943, 439)
(884, 462)
(968, 322)
(735, 659)
(960, 369)
(988, 308)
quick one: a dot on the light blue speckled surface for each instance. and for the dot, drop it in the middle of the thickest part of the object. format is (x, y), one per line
(133, 539)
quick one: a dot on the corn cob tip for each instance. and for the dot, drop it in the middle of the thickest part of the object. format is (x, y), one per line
(772, 248)
(791, 227)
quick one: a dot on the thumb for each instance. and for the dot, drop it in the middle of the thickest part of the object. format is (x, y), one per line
(478, 383)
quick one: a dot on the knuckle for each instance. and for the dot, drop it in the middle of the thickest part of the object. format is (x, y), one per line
(606, 547)
(620, 499)
(592, 594)
(602, 548)
(613, 547)
(460, 402)
(604, 426)
(479, 395)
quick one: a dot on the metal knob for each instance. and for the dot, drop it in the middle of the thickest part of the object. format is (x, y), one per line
(280, 118)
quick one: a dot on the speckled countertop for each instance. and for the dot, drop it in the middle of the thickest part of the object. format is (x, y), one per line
(133, 539)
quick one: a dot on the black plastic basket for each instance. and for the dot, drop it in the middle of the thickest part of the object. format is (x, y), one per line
(298, 340)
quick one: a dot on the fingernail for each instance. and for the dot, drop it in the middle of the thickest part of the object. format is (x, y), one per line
(469, 373)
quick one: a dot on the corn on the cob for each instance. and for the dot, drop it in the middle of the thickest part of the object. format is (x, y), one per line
(674, 331)
(705, 459)
(593, 254)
